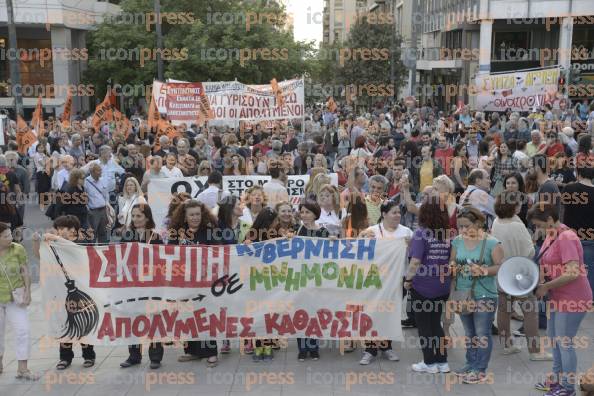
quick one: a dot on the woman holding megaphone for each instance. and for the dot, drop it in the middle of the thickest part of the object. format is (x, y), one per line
(509, 229)
(563, 278)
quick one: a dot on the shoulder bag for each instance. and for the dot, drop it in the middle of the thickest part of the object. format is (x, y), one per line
(18, 294)
(109, 210)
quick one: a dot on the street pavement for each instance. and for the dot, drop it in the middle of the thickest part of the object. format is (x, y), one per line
(333, 374)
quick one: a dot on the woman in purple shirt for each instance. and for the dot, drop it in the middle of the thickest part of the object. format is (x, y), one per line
(428, 280)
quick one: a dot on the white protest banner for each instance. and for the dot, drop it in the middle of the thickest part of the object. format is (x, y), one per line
(124, 294)
(160, 190)
(518, 91)
(233, 101)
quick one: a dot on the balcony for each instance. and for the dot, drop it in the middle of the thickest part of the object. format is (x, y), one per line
(435, 58)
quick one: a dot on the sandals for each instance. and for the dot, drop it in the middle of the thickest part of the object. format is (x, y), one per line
(62, 365)
(27, 375)
(89, 363)
(187, 358)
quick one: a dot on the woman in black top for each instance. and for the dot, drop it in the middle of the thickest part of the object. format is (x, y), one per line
(73, 199)
(142, 229)
(309, 212)
(193, 224)
(514, 182)
(262, 230)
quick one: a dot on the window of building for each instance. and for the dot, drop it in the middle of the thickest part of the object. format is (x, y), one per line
(338, 18)
(583, 40)
(34, 72)
(507, 44)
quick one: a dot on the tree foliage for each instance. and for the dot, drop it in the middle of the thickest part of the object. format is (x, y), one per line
(219, 44)
(363, 61)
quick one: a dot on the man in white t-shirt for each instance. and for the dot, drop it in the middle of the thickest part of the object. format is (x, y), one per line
(477, 192)
(214, 193)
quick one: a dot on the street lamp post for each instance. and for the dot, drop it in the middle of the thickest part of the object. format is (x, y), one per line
(15, 75)
(159, 40)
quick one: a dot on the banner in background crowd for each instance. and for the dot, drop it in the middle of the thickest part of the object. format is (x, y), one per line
(132, 293)
(160, 190)
(232, 101)
(518, 91)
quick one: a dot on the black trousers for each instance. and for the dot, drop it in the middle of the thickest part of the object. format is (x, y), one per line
(373, 346)
(67, 354)
(202, 349)
(155, 352)
(428, 313)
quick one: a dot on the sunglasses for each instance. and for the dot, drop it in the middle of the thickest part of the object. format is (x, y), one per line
(466, 212)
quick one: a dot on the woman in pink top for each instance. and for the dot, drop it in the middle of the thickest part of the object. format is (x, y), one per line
(563, 278)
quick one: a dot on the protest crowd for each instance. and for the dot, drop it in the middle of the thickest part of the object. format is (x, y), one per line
(466, 190)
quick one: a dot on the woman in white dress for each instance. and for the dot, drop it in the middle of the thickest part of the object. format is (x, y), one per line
(131, 195)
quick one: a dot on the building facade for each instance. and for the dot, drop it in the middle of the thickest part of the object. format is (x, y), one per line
(339, 17)
(463, 38)
(52, 52)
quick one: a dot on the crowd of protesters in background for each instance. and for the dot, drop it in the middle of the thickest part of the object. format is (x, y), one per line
(501, 185)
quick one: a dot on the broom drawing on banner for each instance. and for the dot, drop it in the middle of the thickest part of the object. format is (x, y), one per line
(82, 312)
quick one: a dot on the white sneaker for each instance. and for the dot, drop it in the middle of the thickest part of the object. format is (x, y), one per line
(541, 357)
(391, 355)
(443, 367)
(421, 367)
(366, 359)
(511, 350)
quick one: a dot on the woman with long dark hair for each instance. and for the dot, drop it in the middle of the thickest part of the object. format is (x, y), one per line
(460, 168)
(193, 224)
(428, 280)
(43, 181)
(356, 219)
(73, 200)
(286, 223)
(502, 166)
(228, 232)
(142, 229)
(514, 182)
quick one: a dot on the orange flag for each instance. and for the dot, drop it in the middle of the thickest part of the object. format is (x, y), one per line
(164, 128)
(24, 136)
(205, 112)
(123, 124)
(278, 93)
(103, 112)
(331, 105)
(37, 119)
(65, 119)
(153, 114)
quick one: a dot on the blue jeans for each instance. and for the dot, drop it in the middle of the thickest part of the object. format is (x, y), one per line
(588, 247)
(562, 328)
(477, 328)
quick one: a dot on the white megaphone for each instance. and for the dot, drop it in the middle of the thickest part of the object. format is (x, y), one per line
(518, 276)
